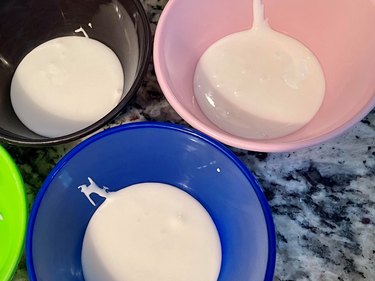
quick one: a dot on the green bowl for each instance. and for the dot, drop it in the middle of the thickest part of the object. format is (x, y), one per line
(13, 215)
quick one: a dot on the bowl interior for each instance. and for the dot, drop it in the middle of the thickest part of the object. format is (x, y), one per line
(151, 152)
(12, 215)
(339, 32)
(119, 24)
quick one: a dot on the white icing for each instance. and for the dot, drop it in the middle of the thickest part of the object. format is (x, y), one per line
(65, 85)
(152, 232)
(259, 83)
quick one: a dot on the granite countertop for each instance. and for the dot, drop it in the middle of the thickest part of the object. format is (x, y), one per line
(322, 198)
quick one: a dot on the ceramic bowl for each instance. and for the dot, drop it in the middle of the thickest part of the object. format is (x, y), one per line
(338, 32)
(151, 152)
(122, 25)
(13, 215)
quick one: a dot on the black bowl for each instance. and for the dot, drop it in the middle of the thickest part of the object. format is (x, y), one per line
(122, 25)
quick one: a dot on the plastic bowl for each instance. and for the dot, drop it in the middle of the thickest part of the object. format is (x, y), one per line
(151, 152)
(339, 32)
(13, 215)
(26, 24)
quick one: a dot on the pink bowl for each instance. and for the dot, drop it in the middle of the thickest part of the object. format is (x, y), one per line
(340, 32)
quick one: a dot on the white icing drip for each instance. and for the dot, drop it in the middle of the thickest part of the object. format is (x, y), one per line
(93, 188)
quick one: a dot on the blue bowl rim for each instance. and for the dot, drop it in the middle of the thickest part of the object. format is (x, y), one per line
(160, 125)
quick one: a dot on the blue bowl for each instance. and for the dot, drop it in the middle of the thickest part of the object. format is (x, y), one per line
(151, 152)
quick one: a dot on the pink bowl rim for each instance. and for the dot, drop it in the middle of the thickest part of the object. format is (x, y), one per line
(253, 145)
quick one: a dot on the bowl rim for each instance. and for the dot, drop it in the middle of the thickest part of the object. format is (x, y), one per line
(226, 138)
(142, 69)
(270, 269)
(19, 188)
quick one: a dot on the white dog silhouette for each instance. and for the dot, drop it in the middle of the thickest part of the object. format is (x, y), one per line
(93, 188)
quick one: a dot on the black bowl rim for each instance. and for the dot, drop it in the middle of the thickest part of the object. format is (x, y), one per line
(146, 54)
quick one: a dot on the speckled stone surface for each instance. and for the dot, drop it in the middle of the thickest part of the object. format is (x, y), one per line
(322, 198)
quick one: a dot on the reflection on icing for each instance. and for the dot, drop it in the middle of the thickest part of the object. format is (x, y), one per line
(259, 83)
